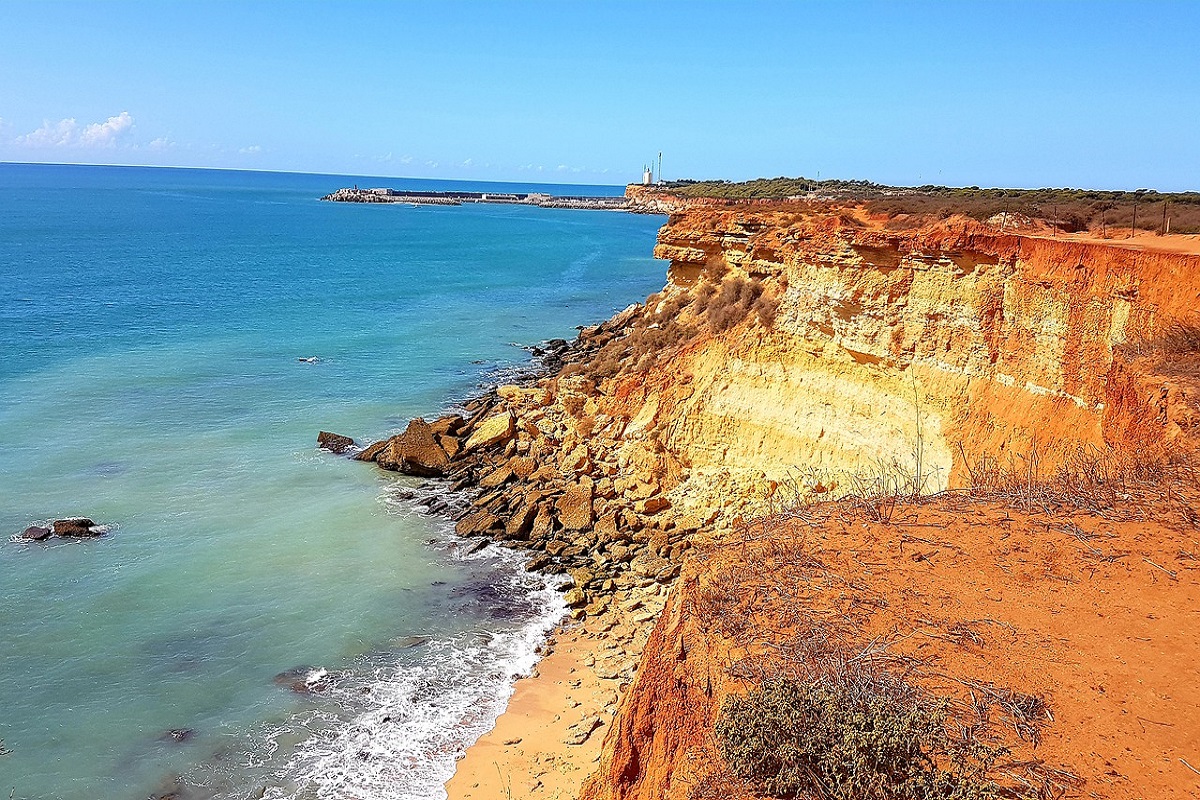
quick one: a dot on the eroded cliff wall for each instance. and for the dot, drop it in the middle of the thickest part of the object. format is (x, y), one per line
(952, 341)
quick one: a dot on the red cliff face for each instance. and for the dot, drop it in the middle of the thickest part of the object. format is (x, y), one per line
(997, 345)
(952, 342)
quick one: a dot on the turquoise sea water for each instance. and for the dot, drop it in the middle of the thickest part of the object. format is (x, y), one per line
(151, 323)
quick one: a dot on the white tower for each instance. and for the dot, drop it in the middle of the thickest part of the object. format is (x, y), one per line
(647, 176)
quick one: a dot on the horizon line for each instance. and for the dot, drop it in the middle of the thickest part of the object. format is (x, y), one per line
(291, 172)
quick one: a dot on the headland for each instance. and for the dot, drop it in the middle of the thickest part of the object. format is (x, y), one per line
(932, 472)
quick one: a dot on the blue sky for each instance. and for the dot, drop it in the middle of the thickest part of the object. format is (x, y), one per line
(993, 93)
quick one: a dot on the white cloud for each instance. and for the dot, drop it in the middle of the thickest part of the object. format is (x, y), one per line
(431, 164)
(68, 133)
(406, 159)
(252, 150)
(561, 168)
(468, 162)
(160, 144)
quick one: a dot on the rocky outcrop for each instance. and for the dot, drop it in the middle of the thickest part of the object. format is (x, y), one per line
(334, 443)
(414, 452)
(78, 528)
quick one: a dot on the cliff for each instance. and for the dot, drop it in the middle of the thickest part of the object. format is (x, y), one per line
(920, 357)
(808, 366)
(990, 345)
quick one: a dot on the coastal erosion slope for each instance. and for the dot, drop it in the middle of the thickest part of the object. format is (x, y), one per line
(1053, 381)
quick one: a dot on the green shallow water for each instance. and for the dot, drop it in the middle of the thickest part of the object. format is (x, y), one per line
(150, 326)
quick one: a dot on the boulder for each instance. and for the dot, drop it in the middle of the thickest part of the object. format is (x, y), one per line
(522, 466)
(495, 478)
(575, 598)
(333, 442)
(372, 451)
(575, 506)
(478, 521)
(450, 444)
(177, 735)
(652, 505)
(76, 527)
(606, 527)
(493, 430)
(447, 425)
(415, 452)
(37, 533)
(521, 523)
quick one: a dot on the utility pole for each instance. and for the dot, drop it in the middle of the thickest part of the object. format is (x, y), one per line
(660, 180)
(1163, 229)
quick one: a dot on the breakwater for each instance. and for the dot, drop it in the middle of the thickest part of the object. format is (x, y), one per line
(384, 195)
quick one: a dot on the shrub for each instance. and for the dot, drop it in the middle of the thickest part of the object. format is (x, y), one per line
(864, 736)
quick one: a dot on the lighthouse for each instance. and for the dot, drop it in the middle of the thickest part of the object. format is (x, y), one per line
(647, 176)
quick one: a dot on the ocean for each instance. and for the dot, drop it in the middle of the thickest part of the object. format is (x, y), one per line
(152, 326)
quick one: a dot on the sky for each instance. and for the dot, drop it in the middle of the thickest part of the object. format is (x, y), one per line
(1014, 94)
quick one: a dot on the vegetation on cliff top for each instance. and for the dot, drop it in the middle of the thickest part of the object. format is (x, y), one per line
(860, 734)
(1068, 209)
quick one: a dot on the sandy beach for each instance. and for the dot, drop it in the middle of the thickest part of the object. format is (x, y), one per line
(547, 742)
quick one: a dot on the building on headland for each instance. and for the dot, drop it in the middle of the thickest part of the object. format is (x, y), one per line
(647, 176)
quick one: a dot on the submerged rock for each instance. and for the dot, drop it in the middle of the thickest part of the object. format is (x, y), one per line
(305, 680)
(177, 735)
(37, 533)
(333, 442)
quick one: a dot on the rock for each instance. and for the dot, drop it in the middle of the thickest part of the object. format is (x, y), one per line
(538, 563)
(450, 444)
(333, 442)
(37, 533)
(304, 680)
(543, 523)
(80, 527)
(606, 527)
(493, 430)
(522, 466)
(478, 521)
(371, 452)
(652, 505)
(495, 478)
(415, 452)
(575, 598)
(521, 523)
(575, 506)
(648, 566)
(447, 425)
(582, 730)
(177, 735)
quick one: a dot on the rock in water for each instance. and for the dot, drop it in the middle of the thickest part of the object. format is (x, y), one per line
(37, 533)
(77, 527)
(334, 443)
(415, 452)
(178, 735)
(371, 452)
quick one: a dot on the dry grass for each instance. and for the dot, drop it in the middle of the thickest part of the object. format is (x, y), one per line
(676, 317)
